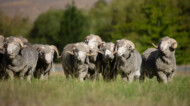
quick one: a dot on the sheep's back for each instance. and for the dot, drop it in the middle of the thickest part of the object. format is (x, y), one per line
(30, 56)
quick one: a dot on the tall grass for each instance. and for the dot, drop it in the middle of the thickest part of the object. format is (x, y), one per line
(59, 91)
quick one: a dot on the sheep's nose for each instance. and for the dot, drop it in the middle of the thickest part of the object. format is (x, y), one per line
(119, 54)
(48, 61)
(9, 52)
(162, 48)
(107, 56)
(79, 59)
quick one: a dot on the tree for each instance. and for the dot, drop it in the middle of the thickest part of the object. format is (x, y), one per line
(46, 28)
(14, 26)
(73, 26)
(147, 21)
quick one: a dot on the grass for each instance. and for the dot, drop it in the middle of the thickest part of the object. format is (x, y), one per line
(59, 91)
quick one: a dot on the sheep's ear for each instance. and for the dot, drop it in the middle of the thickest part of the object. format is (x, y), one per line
(131, 48)
(116, 45)
(173, 43)
(74, 48)
(117, 41)
(101, 44)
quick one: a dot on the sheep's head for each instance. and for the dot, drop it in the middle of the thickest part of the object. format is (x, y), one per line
(23, 39)
(124, 48)
(13, 46)
(46, 52)
(2, 41)
(93, 41)
(107, 50)
(167, 44)
(80, 51)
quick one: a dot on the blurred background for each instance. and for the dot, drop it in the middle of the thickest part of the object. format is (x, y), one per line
(59, 22)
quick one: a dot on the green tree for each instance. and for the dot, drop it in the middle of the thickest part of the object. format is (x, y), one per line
(147, 21)
(14, 26)
(46, 28)
(98, 16)
(73, 26)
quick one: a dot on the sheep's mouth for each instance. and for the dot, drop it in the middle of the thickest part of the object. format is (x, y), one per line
(11, 56)
(108, 58)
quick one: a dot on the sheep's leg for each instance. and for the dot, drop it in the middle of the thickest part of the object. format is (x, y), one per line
(124, 77)
(142, 75)
(114, 73)
(137, 75)
(2, 73)
(66, 73)
(47, 71)
(46, 75)
(131, 76)
(170, 77)
(30, 74)
(41, 76)
(97, 75)
(162, 77)
(67, 76)
(10, 74)
(83, 72)
(22, 73)
(37, 73)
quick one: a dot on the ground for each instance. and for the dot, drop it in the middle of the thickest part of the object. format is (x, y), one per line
(58, 91)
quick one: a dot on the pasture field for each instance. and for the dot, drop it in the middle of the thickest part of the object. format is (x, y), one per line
(57, 91)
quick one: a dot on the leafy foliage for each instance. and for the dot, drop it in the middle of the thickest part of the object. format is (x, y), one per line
(59, 27)
(14, 26)
(72, 26)
(142, 21)
(47, 27)
(146, 21)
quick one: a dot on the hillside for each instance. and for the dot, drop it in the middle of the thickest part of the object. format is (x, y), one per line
(33, 8)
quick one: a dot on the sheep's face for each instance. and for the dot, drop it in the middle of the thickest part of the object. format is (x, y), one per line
(123, 51)
(93, 41)
(80, 51)
(124, 48)
(12, 48)
(108, 51)
(46, 54)
(79, 55)
(167, 44)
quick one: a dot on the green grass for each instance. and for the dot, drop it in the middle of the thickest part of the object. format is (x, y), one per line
(59, 91)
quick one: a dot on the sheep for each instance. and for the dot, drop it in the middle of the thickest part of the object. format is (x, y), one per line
(94, 42)
(45, 60)
(108, 56)
(2, 51)
(128, 60)
(19, 60)
(160, 61)
(2, 41)
(75, 60)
